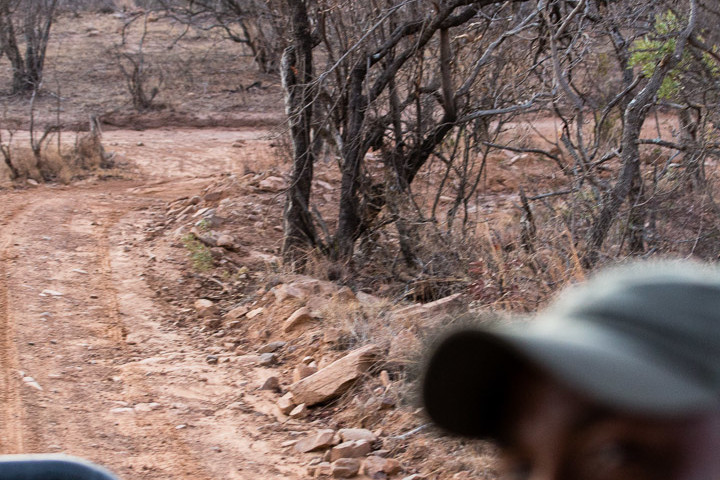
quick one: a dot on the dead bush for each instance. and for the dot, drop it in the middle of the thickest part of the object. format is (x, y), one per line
(52, 165)
(57, 162)
(143, 79)
(89, 152)
(26, 163)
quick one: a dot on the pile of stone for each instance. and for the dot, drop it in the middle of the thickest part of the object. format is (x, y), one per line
(211, 216)
(347, 453)
(297, 331)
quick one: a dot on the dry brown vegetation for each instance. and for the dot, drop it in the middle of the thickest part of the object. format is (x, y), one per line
(507, 246)
(204, 77)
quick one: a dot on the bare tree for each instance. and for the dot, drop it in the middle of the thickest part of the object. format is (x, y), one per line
(26, 23)
(655, 38)
(258, 25)
(408, 90)
(391, 84)
(633, 119)
(297, 74)
(143, 80)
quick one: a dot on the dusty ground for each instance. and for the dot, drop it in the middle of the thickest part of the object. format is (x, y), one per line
(91, 365)
(201, 78)
(101, 353)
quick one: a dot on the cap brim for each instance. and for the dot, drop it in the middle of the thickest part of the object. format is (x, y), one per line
(467, 377)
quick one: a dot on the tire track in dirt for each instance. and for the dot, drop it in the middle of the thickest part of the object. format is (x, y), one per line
(164, 436)
(74, 344)
(11, 412)
(116, 382)
(116, 331)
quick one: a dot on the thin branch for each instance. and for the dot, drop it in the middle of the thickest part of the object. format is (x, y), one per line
(662, 143)
(499, 111)
(553, 194)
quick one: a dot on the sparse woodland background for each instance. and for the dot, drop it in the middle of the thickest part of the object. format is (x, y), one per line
(418, 102)
(408, 150)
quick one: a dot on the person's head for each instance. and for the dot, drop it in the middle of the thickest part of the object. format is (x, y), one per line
(620, 379)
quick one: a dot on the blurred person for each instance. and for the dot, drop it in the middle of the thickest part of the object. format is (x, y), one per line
(618, 379)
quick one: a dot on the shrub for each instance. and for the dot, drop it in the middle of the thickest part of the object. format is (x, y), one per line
(199, 253)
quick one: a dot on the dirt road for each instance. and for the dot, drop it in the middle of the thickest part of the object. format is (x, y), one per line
(90, 365)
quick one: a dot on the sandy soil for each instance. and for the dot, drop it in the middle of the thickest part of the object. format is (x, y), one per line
(90, 364)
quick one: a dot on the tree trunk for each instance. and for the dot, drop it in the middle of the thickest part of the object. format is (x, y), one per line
(637, 217)
(299, 232)
(37, 21)
(7, 157)
(630, 155)
(37, 35)
(10, 47)
(349, 220)
(634, 116)
(693, 152)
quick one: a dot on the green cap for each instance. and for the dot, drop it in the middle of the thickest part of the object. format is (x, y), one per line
(642, 338)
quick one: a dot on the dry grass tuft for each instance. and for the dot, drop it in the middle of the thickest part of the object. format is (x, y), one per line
(26, 164)
(57, 162)
(89, 153)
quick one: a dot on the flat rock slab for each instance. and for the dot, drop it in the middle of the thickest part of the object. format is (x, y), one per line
(333, 380)
(355, 434)
(320, 440)
(300, 316)
(352, 449)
